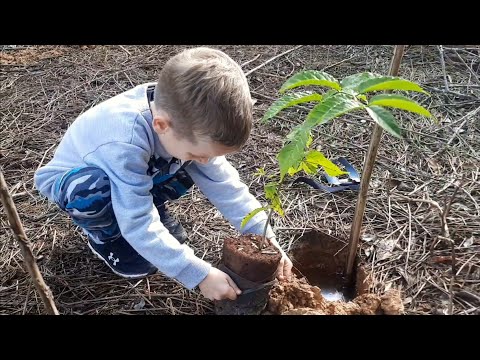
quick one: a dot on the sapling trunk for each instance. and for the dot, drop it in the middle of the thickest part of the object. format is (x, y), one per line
(366, 174)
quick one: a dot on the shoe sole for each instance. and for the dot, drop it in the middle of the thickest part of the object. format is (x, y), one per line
(115, 271)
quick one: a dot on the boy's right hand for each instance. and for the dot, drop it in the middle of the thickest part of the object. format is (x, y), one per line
(218, 286)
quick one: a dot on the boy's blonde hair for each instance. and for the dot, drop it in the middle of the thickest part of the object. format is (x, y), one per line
(206, 94)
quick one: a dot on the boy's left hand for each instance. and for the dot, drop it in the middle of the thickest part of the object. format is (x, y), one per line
(284, 269)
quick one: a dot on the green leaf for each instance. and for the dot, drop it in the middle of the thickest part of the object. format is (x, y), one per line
(290, 100)
(351, 82)
(316, 158)
(309, 168)
(270, 190)
(292, 171)
(388, 83)
(312, 161)
(271, 193)
(399, 102)
(260, 172)
(329, 93)
(332, 107)
(249, 217)
(310, 77)
(362, 97)
(309, 141)
(292, 153)
(299, 131)
(385, 119)
(366, 82)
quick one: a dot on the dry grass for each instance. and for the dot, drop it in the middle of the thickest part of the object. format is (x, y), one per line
(43, 89)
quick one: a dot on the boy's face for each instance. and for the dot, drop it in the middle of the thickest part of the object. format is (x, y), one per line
(184, 149)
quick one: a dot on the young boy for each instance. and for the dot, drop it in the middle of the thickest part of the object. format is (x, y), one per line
(120, 161)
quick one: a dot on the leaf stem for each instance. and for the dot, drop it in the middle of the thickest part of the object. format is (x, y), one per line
(264, 239)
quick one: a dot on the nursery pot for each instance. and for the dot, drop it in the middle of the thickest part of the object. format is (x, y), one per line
(253, 269)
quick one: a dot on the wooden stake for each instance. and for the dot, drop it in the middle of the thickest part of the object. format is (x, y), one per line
(29, 258)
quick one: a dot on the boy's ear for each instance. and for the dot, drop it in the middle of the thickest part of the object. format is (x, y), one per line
(161, 123)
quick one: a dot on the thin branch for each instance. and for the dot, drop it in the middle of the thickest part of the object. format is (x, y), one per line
(448, 204)
(468, 67)
(442, 212)
(445, 231)
(249, 61)
(442, 61)
(24, 243)
(338, 63)
(465, 119)
(124, 49)
(456, 93)
(273, 58)
(452, 279)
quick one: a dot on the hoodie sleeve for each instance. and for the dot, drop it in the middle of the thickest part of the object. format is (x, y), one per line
(220, 182)
(126, 165)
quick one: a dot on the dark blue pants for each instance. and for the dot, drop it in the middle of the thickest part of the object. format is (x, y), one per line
(84, 194)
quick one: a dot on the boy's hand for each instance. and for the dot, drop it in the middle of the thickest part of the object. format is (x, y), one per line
(218, 286)
(284, 269)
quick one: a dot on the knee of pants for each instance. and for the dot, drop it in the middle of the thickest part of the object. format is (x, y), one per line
(84, 193)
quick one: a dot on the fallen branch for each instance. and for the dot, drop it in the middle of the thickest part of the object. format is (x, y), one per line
(452, 280)
(468, 67)
(273, 58)
(442, 212)
(28, 256)
(338, 63)
(443, 223)
(249, 61)
(456, 93)
(442, 62)
(456, 131)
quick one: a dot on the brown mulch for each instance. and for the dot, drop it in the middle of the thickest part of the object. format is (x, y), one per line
(43, 89)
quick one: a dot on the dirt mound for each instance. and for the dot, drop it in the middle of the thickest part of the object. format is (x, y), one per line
(297, 297)
(391, 302)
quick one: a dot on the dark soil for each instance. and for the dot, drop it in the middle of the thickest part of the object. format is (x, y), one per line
(243, 256)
